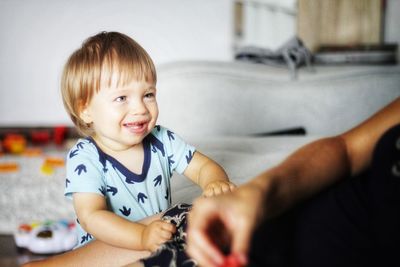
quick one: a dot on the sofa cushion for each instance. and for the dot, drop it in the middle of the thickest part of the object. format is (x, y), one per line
(239, 98)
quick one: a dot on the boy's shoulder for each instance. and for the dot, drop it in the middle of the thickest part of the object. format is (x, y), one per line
(163, 133)
(83, 146)
(160, 131)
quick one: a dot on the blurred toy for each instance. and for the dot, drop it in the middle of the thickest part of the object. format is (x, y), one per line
(32, 152)
(54, 161)
(50, 164)
(40, 137)
(49, 237)
(60, 133)
(14, 143)
(9, 167)
(231, 261)
(47, 169)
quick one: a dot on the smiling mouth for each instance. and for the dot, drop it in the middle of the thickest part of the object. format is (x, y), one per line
(136, 127)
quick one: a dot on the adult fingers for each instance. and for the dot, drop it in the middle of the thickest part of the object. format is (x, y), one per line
(203, 250)
(241, 240)
(204, 213)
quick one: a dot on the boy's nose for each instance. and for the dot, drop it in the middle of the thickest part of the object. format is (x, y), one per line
(138, 108)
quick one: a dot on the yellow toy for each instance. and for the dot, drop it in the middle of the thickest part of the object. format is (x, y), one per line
(50, 164)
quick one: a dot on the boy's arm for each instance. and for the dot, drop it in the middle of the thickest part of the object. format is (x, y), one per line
(110, 228)
(209, 175)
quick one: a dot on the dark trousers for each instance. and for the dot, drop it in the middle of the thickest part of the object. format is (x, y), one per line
(356, 222)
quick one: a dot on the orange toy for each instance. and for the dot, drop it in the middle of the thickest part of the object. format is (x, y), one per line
(14, 143)
(32, 152)
(9, 167)
(54, 161)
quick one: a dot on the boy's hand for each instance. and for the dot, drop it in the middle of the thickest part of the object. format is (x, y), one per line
(157, 233)
(217, 188)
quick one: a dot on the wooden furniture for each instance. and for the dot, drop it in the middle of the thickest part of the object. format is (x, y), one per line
(339, 22)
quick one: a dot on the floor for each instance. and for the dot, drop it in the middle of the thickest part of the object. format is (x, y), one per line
(11, 256)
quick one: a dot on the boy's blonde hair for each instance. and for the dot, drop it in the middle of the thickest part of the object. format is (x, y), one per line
(100, 57)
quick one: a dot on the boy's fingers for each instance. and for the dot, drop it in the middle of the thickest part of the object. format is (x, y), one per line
(217, 190)
(232, 187)
(166, 235)
(168, 226)
(208, 193)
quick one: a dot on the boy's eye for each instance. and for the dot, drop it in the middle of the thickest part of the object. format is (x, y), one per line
(149, 95)
(120, 99)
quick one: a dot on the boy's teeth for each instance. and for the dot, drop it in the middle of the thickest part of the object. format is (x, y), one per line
(135, 125)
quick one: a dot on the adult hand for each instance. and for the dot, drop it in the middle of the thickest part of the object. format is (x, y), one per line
(224, 224)
(157, 233)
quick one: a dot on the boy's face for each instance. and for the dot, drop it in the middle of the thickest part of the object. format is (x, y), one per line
(122, 115)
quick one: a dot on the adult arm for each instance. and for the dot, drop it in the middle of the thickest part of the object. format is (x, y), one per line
(307, 171)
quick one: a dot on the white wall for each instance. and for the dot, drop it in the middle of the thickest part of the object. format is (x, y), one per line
(37, 36)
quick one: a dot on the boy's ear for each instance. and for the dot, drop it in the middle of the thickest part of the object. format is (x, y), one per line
(84, 114)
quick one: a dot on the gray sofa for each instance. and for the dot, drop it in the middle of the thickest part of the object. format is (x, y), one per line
(227, 110)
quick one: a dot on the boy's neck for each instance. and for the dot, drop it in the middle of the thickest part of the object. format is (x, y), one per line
(115, 149)
(132, 158)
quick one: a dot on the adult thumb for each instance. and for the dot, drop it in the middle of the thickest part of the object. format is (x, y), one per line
(241, 243)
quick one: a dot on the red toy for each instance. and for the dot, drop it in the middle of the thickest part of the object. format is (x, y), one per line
(40, 137)
(231, 260)
(59, 134)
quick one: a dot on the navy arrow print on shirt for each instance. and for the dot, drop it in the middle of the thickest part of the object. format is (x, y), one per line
(156, 144)
(102, 190)
(79, 145)
(67, 182)
(170, 162)
(170, 135)
(141, 197)
(80, 168)
(157, 180)
(86, 237)
(112, 189)
(129, 180)
(73, 153)
(158, 127)
(167, 194)
(189, 156)
(125, 211)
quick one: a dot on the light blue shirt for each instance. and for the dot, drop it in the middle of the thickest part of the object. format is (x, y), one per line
(131, 196)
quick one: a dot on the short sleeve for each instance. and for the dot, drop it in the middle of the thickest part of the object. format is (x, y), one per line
(179, 152)
(84, 171)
